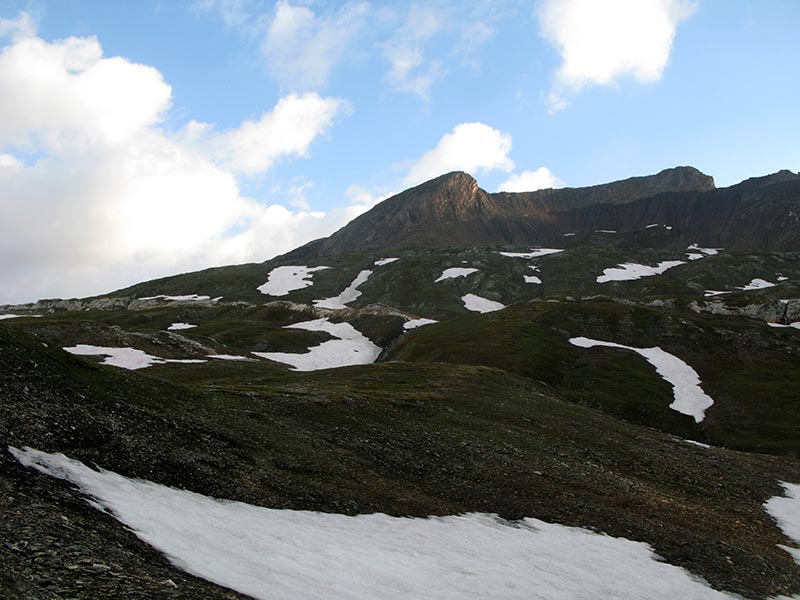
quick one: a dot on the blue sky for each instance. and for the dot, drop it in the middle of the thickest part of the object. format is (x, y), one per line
(164, 136)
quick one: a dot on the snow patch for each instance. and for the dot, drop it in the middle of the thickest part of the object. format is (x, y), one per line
(414, 323)
(282, 280)
(631, 271)
(757, 284)
(272, 554)
(350, 347)
(230, 357)
(349, 294)
(534, 253)
(782, 278)
(481, 305)
(651, 225)
(689, 398)
(711, 293)
(786, 511)
(795, 325)
(454, 272)
(569, 234)
(10, 316)
(186, 298)
(179, 326)
(531, 279)
(706, 251)
(606, 231)
(126, 358)
(694, 443)
(385, 261)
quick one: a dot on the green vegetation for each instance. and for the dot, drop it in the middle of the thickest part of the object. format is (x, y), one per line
(407, 439)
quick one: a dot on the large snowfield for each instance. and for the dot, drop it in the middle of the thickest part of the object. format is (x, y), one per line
(350, 348)
(689, 398)
(292, 555)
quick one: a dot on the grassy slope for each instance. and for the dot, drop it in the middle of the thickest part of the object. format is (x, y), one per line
(744, 365)
(410, 440)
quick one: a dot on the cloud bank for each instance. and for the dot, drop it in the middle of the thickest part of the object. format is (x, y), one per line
(95, 194)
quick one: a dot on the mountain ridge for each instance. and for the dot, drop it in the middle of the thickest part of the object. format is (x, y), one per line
(452, 210)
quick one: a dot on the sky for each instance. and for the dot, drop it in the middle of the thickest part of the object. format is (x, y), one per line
(144, 139)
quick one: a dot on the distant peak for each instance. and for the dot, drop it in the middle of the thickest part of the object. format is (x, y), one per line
(455, 179)
(782, 175)
(686, 176)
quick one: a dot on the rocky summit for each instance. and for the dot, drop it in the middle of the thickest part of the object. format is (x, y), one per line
(618, 363)
(452, 211)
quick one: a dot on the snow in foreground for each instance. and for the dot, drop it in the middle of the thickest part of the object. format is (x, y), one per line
(480, 304)
(350, 348)
(10, 316)
(126, 358)
(689, 398)
(179, 326)
(631, 271)
(287, 555)
(414, 323)
(533, 253)
(282, 280)
(786, 511)
(454, 272)
(349, 294)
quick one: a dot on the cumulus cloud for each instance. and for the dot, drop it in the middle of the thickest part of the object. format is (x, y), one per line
(95, 194)
(471, 147)
(65, 95)
(302, 47)
(530, 181)
(286, 130)
(599, 42)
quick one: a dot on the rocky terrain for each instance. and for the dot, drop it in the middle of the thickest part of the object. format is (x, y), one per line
(445, 375)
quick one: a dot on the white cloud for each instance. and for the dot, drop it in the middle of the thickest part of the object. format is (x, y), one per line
(9, 163)
(286, 130)
(470, 147)
(65, 95)
(529, 181)
(301, 48)
(22, 27)
(107, 197)
(297, 195)
(599, 42)
(409, 70)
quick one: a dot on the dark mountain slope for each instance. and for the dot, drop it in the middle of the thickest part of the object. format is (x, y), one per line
(759, 214)
(452, 211)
